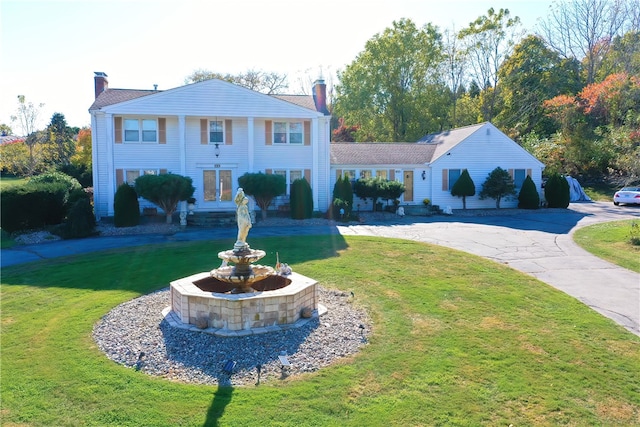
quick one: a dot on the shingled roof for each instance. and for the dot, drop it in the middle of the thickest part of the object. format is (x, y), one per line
(397, 153)
(115, 96)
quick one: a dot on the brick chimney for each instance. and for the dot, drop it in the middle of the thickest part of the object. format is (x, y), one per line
(320, 96)
(101, 82)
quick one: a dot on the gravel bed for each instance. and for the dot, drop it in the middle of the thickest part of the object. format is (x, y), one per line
(135, 335)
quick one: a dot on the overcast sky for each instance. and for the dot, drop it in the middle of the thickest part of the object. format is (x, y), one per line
(50, 49)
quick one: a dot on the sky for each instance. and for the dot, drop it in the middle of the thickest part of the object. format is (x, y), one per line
(49, 50)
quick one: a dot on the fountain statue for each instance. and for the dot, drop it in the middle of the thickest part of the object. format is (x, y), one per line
(241, 295)
(243, 274)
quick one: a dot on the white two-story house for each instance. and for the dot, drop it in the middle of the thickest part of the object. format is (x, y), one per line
(212, 131)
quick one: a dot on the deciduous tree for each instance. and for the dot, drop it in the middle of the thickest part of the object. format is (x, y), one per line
(27, 115)
(258, 80)
(165, 191)
(391, 90)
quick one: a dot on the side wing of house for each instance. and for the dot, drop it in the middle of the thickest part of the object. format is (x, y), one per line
(213, 132)
(480, 153)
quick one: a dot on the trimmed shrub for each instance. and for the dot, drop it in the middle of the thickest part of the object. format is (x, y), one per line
(165, 191)
(556, 191)
(498, 185)
(301, 199)
(464, 187)
(33, 205)
(57, 177)
(528, 197)
(126, 208)
(342, 192)
(81, 221)
(263, 188)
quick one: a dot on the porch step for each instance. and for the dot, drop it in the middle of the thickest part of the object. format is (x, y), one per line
(211, 219)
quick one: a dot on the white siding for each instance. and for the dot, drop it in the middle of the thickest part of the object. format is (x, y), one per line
(480, 154)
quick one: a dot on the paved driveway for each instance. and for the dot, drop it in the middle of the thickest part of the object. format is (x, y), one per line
(539, 243)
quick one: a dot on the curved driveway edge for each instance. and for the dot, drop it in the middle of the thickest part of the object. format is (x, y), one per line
(538, 243)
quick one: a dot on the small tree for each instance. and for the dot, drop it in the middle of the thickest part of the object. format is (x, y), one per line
(165, 191)
(263, 188)
(366, 189)
(390, 190)
(126, 209)
(301, 199)
(498, 185)
(343, 192)
(464, 187)
(528, 197)
(378, 188)
(557, 192)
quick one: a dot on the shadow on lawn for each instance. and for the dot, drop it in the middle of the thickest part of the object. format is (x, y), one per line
(221, 398)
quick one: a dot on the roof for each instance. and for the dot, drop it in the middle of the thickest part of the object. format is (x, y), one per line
(305, 101)
(115, 96)
(394, 153)
(446, 140)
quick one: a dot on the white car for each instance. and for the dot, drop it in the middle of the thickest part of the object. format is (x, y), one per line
(627, 195)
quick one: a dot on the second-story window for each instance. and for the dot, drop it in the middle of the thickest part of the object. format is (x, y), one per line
(216, 131)
(140, 130)
(288, 133)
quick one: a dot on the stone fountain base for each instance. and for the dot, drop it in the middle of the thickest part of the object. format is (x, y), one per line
(200, 300)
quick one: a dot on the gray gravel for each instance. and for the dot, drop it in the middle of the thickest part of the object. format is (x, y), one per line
(135, 335)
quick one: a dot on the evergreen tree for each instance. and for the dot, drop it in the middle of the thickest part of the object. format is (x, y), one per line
(464, 187)
(557, 192)
(301, 199)
(497, 186)
(528, 197)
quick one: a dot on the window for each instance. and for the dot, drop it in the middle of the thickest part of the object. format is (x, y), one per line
(281, 172)
(365, 173)
(294, 175)
(295, 133)
(288, 132)
(518, 177)
(133, 127)
(225, 186)
(130, 175)
(454, 174)
(131, 133)
(216, 131)
(381, 173)
(213, 187)
(349, 173)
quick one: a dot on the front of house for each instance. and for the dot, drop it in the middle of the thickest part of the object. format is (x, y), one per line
(213, 132)
(429, 168)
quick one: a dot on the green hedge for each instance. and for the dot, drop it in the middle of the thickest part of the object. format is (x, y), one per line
(301, 200)
(34, 205)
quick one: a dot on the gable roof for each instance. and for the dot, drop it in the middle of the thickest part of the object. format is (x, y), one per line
(351, 153)
(115, 96)
(446, 140)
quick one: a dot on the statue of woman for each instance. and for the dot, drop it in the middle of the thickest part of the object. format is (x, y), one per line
(243, 218)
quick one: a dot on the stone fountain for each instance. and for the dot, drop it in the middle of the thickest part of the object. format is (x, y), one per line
(242, 298)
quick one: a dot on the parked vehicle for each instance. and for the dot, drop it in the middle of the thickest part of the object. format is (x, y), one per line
(627, 195)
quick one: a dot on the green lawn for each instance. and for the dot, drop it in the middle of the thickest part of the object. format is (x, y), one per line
(6, 182)
(611, 241)
(457, 340)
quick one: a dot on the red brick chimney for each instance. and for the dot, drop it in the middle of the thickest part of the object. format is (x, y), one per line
(101, 82)
(320, 96)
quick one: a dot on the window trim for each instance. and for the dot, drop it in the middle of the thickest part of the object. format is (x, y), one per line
(140, 130)
(222, 132)
(277, 140)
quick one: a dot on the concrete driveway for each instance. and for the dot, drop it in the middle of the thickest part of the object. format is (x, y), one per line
(540, 244)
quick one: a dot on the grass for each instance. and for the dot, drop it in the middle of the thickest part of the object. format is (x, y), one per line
(6, 182)
(457, 340)
(611, 241)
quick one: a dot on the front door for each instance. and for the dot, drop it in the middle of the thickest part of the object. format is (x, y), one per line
(408, 185)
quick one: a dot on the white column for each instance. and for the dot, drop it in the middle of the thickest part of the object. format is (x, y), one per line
(111, 170)
(182, 141)
(315, 169)
(182, 148)
(251, 141)
(96, 165)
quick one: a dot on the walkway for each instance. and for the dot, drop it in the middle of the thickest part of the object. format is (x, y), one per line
(538, 243)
